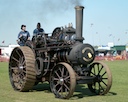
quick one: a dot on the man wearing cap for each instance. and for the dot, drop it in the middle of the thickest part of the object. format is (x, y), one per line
(23, 36)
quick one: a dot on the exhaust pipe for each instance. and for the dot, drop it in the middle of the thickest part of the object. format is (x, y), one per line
(79, 23)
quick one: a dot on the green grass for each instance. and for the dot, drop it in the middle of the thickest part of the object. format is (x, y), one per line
(42, 93)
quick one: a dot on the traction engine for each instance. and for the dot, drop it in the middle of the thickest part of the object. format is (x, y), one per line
(62, 59)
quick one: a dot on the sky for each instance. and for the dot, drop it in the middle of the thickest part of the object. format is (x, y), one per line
(104, 21)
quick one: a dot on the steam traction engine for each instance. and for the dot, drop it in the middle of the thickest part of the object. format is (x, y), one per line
(61, 59)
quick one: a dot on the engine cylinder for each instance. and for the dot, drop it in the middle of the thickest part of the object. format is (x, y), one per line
(62, 55)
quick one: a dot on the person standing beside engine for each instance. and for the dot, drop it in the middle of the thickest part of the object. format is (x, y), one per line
(23, 36)
(38, 30)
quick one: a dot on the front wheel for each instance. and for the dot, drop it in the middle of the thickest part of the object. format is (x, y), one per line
(63, 80)
(103, 78)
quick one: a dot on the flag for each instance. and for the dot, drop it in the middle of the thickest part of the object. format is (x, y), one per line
(91, 24)
(110, 35)
(3, 41)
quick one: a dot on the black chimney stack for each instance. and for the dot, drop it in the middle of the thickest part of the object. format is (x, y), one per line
(79, 23)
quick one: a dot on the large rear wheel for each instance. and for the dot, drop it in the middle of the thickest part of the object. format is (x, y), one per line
(21, 68)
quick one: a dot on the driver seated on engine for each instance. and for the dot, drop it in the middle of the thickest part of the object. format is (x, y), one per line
(23, 36)
(37, 31)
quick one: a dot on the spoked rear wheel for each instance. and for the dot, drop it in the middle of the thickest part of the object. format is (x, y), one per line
(21, 68)
(103, 78)
(63, 80)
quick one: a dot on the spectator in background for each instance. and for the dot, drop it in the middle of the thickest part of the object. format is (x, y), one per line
(23, 36)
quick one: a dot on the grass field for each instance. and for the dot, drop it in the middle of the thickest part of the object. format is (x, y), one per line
(42, 93)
